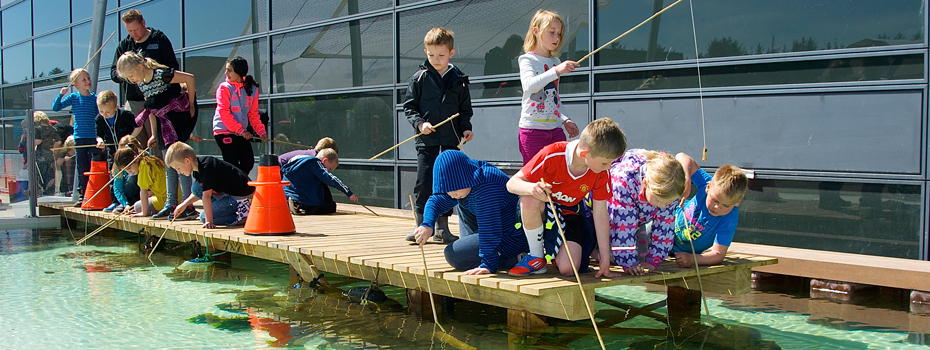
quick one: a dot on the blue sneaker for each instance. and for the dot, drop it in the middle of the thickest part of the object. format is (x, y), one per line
(111, 207)
(528, 265)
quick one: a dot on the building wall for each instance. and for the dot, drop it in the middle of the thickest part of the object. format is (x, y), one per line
(825, 100)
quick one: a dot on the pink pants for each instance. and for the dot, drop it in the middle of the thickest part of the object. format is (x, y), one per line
(533, 140)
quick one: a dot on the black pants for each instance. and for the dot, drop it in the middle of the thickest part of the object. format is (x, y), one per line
(328, 208)
(83, 156)
(236, 151)
(426, 156)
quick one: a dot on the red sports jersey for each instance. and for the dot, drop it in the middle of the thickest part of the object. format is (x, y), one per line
(551, 164)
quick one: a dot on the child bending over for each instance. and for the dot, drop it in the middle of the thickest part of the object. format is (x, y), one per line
(709, 218)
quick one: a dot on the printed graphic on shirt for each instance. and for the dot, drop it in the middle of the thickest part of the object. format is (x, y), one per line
(690, 229)
(546, 102)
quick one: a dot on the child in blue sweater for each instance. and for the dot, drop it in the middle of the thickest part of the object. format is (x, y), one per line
(84, 106)
(308, 193)
(490, 239)
(709, 218)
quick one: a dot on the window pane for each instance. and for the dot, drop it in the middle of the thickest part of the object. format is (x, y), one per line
(161, 15)
(80, 43)
(209, 65)
(374, 186)
(17, 23)
(289, 13)
(512, 88)
(479, 49)
(871, 219)
(17, 97)
(329, 57)
(83, 9)
(204, 21)
(361, 123)
(48, 54)
(17, 63)
(737, 28)
(819, 71)
(49, 14)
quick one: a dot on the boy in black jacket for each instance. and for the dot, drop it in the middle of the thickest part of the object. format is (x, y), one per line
(437, 91)
(111, 125)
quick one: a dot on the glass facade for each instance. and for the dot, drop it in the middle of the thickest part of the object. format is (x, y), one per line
(825, 100)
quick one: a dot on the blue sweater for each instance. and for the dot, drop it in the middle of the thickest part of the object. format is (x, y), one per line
(494, 207)
(308, 179)
(85, 110)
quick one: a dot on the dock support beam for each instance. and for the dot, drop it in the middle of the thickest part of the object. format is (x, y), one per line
(520, 324)
(684, 305)
(418, 303)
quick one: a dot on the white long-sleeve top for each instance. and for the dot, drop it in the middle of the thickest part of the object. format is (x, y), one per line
(542, 107)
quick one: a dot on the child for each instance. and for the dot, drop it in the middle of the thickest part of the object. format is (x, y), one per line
(236, 109)
(325, 142)
(45, 139)
(437, 91)
(709, 219)
(645, 187)
(564, 172)
(150, 172)
(125, 185)
(223, 187)
(541, 115)
(65, 161)
(112, 124)
(309, 177)
(176, 111)
(480, 189)
(84, 106)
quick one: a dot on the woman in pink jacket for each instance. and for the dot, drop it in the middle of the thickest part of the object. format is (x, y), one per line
(236, 109)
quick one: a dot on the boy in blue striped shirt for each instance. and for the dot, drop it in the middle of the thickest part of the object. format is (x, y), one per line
(84, 106)
(491, 238)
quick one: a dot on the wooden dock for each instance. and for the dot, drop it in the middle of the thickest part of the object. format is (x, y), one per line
(357, 244)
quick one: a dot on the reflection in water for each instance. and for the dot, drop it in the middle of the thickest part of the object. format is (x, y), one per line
(250, 305)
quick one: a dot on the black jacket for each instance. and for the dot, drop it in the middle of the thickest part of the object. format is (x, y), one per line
(123, 125)
(433, 98)
(156, 47)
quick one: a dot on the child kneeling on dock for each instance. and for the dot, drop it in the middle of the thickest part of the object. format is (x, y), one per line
(709, 218)
(223, 187)
(308, 193)
(490, 237)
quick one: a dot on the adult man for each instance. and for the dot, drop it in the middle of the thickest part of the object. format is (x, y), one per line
(148, 42)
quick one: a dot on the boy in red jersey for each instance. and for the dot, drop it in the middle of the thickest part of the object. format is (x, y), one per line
(566, 171)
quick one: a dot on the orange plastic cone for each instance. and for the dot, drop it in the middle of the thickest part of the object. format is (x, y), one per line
(97, 177)
(269, 214)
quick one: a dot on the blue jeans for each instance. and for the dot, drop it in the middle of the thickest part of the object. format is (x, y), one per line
(224, 206)
(171, 180)
(463, 253)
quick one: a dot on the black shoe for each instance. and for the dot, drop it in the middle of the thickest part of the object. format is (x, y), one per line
(78, 203)
(165, 213)
(189, 213)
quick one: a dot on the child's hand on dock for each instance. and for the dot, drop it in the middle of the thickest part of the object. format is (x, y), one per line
(478, 271)
(684, 259)
(603, 269)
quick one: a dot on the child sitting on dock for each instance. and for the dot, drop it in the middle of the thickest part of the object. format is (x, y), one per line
(493, 240)
(308, 194)
(709, 218)
(563, 172)
(645, 186)
(150, 177)
(224, 188)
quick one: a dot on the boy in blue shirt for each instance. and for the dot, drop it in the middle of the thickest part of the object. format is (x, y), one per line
(710, 217)
(308, 193)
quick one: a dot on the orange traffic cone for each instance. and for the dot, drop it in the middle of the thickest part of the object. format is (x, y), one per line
(269, 214)
(97, 177)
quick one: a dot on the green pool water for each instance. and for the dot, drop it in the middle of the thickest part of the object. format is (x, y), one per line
(107, 295)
